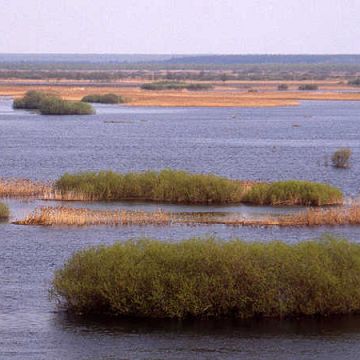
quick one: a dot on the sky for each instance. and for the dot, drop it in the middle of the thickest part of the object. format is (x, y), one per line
(180, 26)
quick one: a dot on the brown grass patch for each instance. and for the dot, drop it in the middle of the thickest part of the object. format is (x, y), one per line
(222, 96)
(24, 188)
(79, 217)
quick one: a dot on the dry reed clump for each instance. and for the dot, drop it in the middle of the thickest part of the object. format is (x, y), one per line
(310, 217)
(24, 188)
(202, 278)
(81, 216)
(78, 216)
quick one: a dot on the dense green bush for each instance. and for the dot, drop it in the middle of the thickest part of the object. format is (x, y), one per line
(341, 158)
(293, 192)
(308, 87)
(57, 106)
(211, 278)
(164, 186)
(4, 212)
(173, 85)
(31, 100)
(103, 99)
(50, 104)
(182, 187)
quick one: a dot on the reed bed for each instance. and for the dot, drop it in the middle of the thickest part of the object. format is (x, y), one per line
(182, 187)
(24, 188)
(80, 217)
(165, 186)
(210, 278)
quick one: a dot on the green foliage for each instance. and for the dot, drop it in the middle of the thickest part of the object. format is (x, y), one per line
(202, 278)
(173, 85)
(57, 106)
(341, 158)
(293, 192)
(31, 100)
(182, 187)
(164, 186)
(4, 211)
(308, 87)
(50, 104)
(283, 87)
(103, 99)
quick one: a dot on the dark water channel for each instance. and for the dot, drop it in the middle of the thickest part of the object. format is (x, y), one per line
(258, 144)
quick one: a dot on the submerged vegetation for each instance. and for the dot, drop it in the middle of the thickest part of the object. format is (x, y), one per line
(50, 104)
(341, 158)
(202, 278)
(293, 192)
(182, 187)
(103, 99)
(4, 211)
(174, 85)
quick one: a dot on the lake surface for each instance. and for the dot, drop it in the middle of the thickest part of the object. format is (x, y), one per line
(258, 144)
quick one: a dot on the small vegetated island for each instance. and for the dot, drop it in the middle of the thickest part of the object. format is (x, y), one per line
(209, 278)
(175, 85)
(51, 104)
(103, 99)
(187, 188)
(4, 212)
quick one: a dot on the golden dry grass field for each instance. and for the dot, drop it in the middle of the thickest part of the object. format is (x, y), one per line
(229, 94)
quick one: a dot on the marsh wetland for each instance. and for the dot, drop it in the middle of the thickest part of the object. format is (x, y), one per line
(251, 144)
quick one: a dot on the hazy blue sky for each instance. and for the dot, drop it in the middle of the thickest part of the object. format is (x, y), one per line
(180, 26)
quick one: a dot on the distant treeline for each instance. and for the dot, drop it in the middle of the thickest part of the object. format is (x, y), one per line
(181, 72)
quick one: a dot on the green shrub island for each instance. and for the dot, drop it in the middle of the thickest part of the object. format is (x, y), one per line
(294, 192)
(31, 100)
(56, 106)
(208, 278)
(50, 104)
(103, 99)
(164, 186)
(341, 158)
(4, 211)
(183, 187)
(174, 85)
